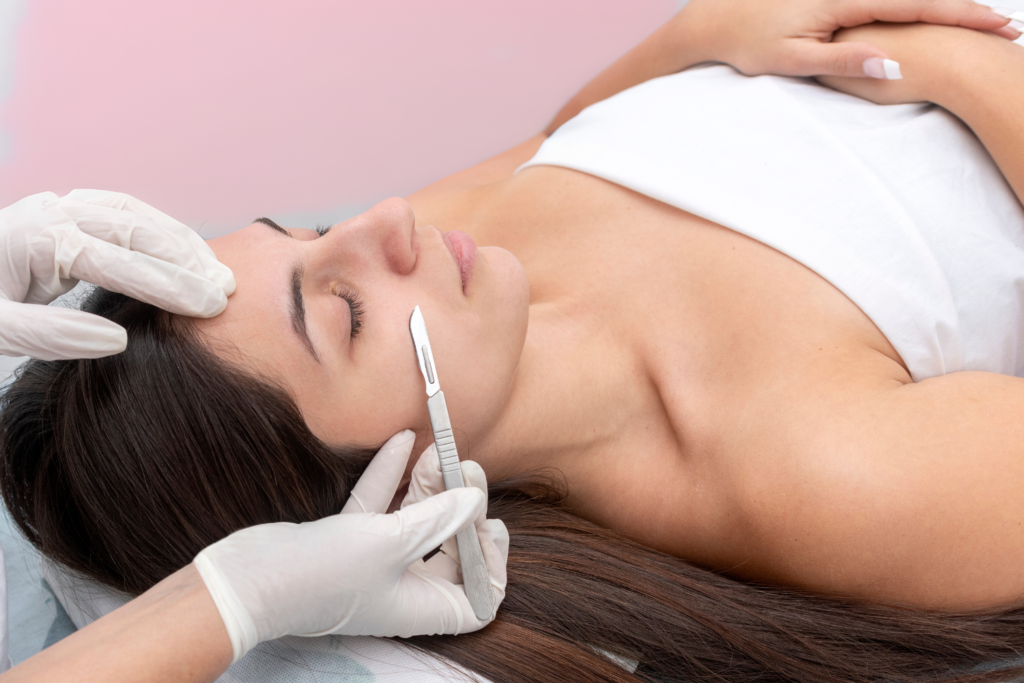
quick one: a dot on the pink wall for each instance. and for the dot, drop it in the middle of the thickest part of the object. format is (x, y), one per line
(221, 110)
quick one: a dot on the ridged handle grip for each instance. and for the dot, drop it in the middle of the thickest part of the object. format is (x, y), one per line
(474, 570)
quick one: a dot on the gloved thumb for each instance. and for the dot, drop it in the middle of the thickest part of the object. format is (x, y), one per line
(376, 488)
(54, 333)
(429, 523)
(855, 60)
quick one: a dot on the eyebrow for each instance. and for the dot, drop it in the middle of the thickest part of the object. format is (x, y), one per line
(298, 313)
(298, 307)
(272, 225)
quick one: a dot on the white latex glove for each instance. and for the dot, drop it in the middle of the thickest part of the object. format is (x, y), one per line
(427, 481)
(49, 243)
(356, 573)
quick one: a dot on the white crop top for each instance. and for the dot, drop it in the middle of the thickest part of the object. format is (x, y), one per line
(900, 207)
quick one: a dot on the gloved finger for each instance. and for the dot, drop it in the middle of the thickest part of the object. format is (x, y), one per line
(857, 60)
(130, 206)
(494, 542)
(158, 235)
(427, 524)
(53, 333)
(427, 479)
(376, 488)
(446, 567)
(491, 531)
(142, 277)
(964, 13)
(441, 607)
(132, 231)
(473, 475)
(484, 529)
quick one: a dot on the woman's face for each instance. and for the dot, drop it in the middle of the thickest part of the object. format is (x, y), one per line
(328, 318)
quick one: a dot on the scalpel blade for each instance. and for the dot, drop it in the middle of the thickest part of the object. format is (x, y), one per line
(424, 355)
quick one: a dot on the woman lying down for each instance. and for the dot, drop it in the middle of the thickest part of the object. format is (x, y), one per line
(740, 355)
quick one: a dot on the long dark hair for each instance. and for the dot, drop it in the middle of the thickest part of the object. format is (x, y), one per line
(123, 468)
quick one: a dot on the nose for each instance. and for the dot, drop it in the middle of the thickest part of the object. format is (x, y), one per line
(386, 232)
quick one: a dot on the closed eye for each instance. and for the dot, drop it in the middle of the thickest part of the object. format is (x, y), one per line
(355, 308)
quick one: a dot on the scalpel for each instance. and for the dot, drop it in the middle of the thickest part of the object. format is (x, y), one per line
(474, 570)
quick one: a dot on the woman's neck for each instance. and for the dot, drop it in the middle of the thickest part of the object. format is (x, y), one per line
(574, 381)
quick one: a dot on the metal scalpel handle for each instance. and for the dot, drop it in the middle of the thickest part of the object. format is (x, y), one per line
(474, 570)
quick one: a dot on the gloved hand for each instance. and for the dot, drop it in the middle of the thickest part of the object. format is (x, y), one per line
(356, 573)
(428, 481)
(48, 244)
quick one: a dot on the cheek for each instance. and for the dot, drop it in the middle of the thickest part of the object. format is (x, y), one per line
(370, 407)
(510, 298)
(476, 349)
(477, 365)
(380, 390)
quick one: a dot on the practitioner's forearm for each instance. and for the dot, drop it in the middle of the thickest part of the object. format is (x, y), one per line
(981, 80)
(172, 632)
(672, 48)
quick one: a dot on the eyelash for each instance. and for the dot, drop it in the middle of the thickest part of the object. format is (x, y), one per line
(355, 307)
(355, 304)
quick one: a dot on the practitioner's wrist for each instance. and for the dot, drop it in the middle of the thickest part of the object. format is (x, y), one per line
(171, 632)
(183, 596)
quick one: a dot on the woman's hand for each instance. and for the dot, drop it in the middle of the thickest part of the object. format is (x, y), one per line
(928, 54)
(795, 37)
(784, 37)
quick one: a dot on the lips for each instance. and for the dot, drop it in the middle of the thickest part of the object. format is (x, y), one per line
(463, 248)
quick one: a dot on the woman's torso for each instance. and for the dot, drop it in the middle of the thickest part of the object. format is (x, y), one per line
(685, 337)
(701, 350)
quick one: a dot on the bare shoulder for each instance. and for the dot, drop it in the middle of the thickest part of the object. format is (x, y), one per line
(449, 198)
(905, 493)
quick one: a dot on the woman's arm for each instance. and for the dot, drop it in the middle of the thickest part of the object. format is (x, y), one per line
(784, 37)
(172, 632)
(987, 92)
(977, 77)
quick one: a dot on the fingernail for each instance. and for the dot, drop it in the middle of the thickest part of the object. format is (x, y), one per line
(1017, 25)
(1004, 12)
(885, 69)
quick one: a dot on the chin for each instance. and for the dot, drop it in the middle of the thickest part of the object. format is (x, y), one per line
(511, 286)
(500, 334)
(509, 295)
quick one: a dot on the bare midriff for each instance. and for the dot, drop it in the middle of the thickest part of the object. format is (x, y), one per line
(689, 341)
